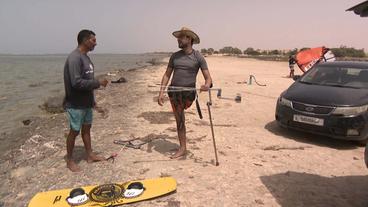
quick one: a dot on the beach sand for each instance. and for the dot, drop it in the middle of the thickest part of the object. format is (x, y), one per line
(260, 163)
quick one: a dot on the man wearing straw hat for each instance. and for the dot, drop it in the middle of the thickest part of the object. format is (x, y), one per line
(184, 65)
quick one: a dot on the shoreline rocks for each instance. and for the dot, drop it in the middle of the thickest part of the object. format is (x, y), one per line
(53, 104)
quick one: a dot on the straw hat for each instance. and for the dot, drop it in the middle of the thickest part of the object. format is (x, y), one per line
(186, 31)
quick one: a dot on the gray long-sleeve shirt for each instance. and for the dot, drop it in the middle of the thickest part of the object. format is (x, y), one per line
(79, 81)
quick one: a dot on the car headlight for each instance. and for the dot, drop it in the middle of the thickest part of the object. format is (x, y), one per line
(350, 111)
(285, 102)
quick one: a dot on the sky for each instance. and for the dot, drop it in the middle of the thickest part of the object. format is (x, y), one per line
(138, 26)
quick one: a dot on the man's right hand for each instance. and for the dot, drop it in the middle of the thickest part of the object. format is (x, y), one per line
(103, 82)
(161, 99)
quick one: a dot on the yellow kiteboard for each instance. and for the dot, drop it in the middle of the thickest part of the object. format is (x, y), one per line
(106, 194)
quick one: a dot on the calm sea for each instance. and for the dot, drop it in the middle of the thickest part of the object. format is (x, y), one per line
(26, 81)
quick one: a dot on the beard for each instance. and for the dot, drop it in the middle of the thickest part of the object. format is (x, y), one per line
(92, 48)
(182, 45)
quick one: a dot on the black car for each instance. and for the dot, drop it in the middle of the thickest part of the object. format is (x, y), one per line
(330, 99)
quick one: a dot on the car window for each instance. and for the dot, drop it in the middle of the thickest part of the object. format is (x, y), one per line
(337, 77)
(353, 71)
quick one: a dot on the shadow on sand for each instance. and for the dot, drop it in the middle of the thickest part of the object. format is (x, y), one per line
(303, 189)
(79, 154)
(303, 137)
(162, 144)
(158, 117)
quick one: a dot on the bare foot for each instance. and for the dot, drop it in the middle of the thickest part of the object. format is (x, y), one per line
(94, 158)
(72, 166)
(180, 153)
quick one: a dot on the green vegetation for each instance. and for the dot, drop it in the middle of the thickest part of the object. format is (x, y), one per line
(251, 51)
(342, 52)
(230, 51)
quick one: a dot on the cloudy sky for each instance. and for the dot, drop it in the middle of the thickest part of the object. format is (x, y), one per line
(136, 26)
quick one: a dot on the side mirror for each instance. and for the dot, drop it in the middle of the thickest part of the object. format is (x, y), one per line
(296, 77)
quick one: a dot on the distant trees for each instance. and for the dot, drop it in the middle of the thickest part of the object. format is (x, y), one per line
(226, 50)
(208, 51)
(237, 51)
(342, 51)
(230, 50)
(263, 52)
(251, 51)
(275, 52)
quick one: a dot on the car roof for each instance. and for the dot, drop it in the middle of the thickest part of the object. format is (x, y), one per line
(346, 64)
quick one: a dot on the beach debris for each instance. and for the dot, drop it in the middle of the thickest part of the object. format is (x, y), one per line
(257, 164)
(238, 98)
(112, 157)
(135, 143)
(222, 153)
(259, 201)
(164, 174)
(173, 204)
(35, 138)
(104, 112)
(143, 171)
(32, 140)
(120, 80)
(50, 145)
(111, 74)
(155, 61)
(277, 148)
(26, 122)
(53, 104)
(33, 85)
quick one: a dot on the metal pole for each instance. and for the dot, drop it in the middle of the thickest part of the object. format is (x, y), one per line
(209, 103)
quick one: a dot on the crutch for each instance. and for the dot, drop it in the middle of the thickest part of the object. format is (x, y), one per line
(209, 104)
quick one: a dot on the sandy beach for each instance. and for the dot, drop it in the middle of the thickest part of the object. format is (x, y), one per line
(260, 163)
